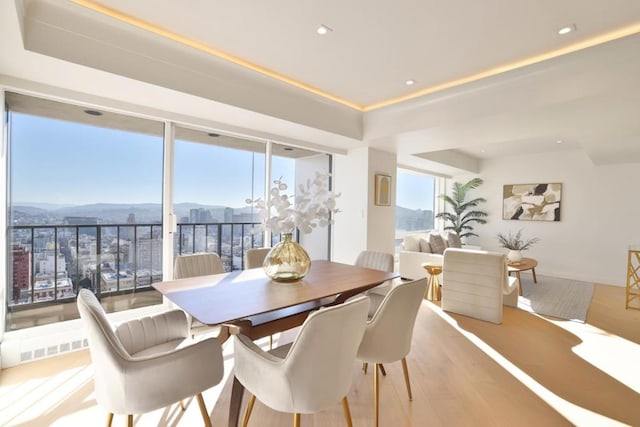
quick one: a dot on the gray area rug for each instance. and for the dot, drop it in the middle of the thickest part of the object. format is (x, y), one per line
(551, 296)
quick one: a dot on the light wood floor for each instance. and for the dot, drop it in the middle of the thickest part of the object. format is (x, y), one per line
(529, 371)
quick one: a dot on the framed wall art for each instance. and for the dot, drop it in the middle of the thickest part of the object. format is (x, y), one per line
(532, 202)
(383, 190)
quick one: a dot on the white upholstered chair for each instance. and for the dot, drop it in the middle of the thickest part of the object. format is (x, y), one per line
(149, 363)
(200, 264)
(387, 336)
(254, 257)
(312, 374)
(376, 261)
(476, 284)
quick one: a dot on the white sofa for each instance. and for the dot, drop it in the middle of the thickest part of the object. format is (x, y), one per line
(412, 257)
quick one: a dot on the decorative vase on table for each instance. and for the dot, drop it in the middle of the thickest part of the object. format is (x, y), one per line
(287, 261)
(514, 256)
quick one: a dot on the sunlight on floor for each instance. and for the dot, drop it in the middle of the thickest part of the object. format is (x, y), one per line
(66, 398)
(591, 338)
(616, 356)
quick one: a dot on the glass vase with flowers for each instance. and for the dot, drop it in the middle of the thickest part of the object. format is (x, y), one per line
(312, 206)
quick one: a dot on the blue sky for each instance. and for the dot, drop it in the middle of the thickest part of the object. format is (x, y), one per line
(59, 162)
(414, 191)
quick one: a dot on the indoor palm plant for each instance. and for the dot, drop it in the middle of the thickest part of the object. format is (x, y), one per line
(516, 244)
(461, 214)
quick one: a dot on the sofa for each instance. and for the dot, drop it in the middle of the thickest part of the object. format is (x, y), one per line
(418, 248)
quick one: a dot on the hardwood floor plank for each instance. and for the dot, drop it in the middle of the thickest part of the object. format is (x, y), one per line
(455, 381)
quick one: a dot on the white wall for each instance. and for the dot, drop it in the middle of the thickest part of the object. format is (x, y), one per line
(362, 225)
(381, 224)
(350, 228)
(599, 211)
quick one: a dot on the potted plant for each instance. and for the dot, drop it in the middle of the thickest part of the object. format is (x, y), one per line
(461, 213)
(516, 244)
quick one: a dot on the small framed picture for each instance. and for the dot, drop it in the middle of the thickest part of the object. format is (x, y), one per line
(383, 190)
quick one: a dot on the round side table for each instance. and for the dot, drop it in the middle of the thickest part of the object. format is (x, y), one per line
(433, 284)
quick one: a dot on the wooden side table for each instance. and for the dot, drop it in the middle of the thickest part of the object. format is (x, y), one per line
(523, 265)
(633, 276)
(433, 285)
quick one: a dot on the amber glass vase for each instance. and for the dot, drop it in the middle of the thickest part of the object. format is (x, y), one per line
(287, 261)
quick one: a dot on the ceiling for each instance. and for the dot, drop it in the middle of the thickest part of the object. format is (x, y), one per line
(492, 78)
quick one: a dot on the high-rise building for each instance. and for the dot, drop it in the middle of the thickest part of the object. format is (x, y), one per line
(199, 215)
(21, 271)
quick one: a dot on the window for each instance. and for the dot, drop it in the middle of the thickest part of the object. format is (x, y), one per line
(415, 194)
(84, 209)
(84, 204)
(214, 175)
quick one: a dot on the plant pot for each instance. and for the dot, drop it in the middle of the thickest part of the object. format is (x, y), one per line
(287, 261)
(514, 256)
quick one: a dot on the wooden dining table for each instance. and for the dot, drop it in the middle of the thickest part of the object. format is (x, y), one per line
(257, 307)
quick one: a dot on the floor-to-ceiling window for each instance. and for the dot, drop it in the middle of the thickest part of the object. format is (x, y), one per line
(84, 209)
(214, 175)
(415, 201)
(84, 204)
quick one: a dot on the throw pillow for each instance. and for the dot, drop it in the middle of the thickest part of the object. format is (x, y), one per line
(454, 240)
(437, 244)
(411, 243)
(425, 246)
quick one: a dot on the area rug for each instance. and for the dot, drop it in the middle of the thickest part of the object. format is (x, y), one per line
(551, 296)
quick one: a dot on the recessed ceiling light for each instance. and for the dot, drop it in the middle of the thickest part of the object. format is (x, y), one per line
(213, 135)
(567, 29)
(410, 82)
(483, 150)
(323, 29)
(559, 141)
(93, 112)
(287, 148)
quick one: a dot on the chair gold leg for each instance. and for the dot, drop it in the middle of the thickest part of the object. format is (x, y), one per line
(270, 342)
(382, 371)
(406, 377)
(365, 365)
(109, 419)
(247, 412)
(184, 408)
(296, 420)
(130, 420)
(347, 412)
(203, 410)
(376, 393)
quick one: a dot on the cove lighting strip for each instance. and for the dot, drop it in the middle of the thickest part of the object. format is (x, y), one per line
(186, 41)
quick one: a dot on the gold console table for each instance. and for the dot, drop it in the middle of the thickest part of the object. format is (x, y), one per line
(633, 277)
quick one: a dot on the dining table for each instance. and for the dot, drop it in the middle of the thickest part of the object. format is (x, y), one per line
(254, 305)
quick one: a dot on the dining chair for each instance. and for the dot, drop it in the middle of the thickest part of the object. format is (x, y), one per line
(311, 374)
(200, 264)
(387, 335)
(148, 363)
(254, 257)
(376, 261)
(477, 284)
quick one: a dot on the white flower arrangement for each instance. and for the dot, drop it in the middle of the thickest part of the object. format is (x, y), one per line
(312, 206)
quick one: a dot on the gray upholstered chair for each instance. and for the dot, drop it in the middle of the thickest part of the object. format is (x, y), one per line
(476, 284)
(314, 372)
(149, 363)
(254, 257)
(200, 264)
(387, 336)
(376, 261)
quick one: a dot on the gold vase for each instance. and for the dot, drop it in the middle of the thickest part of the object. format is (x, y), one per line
(287, 261)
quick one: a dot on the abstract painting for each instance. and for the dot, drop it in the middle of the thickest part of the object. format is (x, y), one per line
(532, 202)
